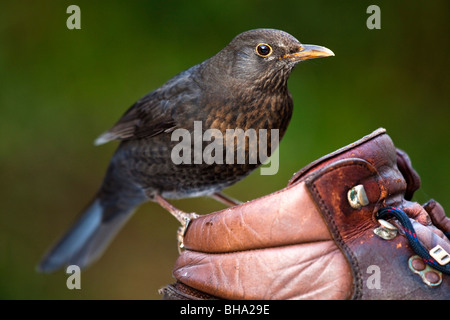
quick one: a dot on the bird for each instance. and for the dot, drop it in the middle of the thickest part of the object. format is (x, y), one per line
(243, 86)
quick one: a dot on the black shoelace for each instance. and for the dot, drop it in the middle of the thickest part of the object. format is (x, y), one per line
(417, 246)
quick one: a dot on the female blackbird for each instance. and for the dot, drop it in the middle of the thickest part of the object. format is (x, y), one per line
(243, 86)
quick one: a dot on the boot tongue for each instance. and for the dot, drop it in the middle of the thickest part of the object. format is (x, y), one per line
(411, 177)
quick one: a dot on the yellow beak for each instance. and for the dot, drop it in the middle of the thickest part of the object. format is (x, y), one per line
(309, 51)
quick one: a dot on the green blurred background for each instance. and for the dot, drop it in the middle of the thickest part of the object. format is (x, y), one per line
(60, 88)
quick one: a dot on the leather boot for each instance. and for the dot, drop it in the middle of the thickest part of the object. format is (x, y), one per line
(321, 236)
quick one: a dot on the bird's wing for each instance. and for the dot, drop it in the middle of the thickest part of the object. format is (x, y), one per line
(156, 112)
(146, 118)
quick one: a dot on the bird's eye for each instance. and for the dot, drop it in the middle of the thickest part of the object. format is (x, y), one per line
(263, 50)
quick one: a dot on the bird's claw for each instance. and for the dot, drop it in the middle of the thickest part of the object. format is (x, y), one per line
(186, 219)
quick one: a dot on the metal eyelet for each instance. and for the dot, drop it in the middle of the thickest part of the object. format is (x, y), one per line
(440, 255)
(386, 230)
(357, 197)
(431, 277)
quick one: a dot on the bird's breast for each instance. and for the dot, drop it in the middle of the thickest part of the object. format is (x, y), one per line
(250, 111)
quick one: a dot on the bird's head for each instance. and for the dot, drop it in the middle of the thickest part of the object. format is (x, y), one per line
(264, 56)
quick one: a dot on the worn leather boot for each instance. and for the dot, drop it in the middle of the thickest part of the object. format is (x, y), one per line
(321, 237)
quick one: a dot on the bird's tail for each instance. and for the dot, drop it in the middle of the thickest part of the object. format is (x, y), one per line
(88, 237)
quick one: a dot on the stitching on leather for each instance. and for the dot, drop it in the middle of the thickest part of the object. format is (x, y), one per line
(343, 246)
(259, 248)
(333, 250)
(182, 291)
(332, 225)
